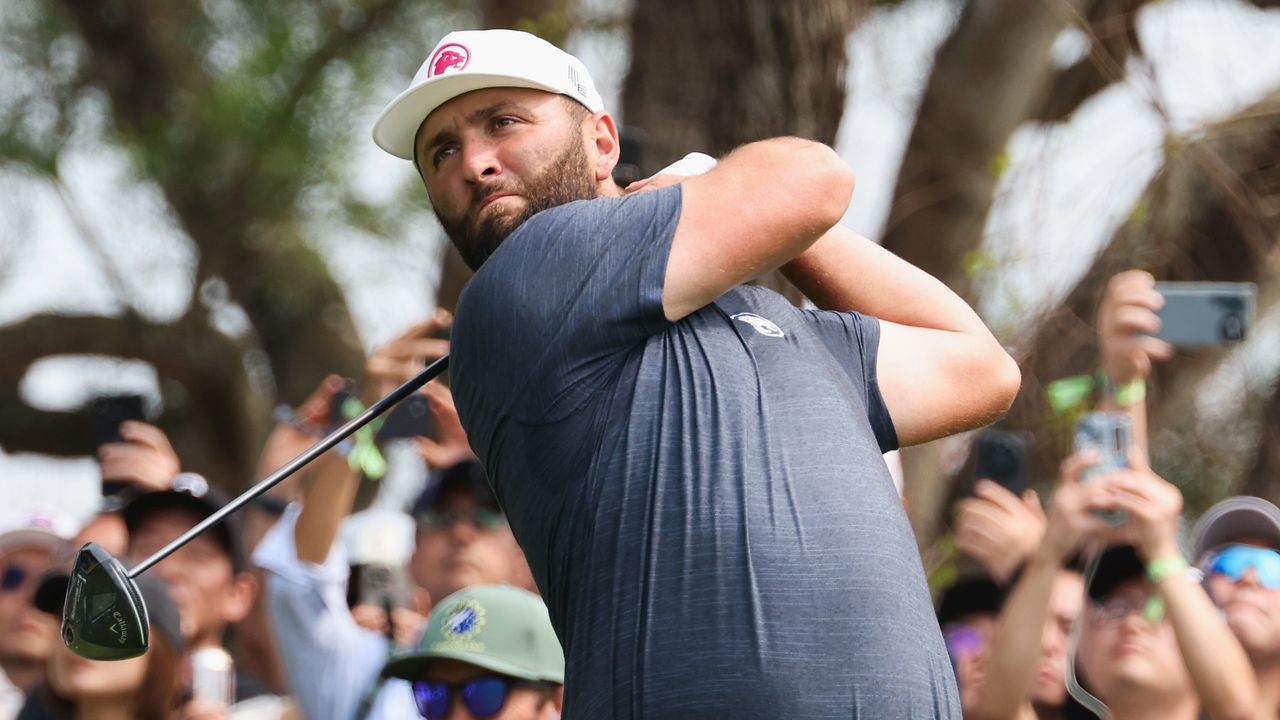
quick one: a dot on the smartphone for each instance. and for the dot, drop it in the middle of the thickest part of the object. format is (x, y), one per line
(337, 414)
(1201, 314)
(108, 412)
(1109, 434)
(384, 586)
(1004, 458)
(411, 418)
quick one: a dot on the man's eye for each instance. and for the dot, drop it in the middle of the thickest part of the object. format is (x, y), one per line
(504, 121)
(444, 151)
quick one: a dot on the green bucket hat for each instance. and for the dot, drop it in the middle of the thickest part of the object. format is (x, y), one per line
(496, 627)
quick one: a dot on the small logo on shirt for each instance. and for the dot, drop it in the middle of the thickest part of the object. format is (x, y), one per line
(763, 326)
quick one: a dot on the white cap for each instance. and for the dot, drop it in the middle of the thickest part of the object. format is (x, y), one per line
(475, 59)
(42, 529)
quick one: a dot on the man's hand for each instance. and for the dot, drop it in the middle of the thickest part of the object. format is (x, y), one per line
(143, 458)
(999, 529)
(1072, 518)
(310, 421)
(1126, 320)
(404, 357)
(451, 446)
(1153, 505)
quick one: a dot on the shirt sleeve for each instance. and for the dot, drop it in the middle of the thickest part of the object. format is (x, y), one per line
(574, 288)
(329, 659)
(854, 340)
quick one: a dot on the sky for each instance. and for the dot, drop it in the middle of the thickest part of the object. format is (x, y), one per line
(1066, 190)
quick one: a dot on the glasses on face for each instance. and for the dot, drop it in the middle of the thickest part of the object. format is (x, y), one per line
(1117, 607)
(483, 697)
(1235, 560)
(482, 518)
(963, 640)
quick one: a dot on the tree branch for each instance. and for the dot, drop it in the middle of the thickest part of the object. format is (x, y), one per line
(1112, 29)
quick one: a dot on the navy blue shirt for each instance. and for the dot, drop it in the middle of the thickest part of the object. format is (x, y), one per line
(703, 503)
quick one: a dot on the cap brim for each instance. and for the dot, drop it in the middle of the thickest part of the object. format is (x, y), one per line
(414, 666)
(398, 124)
(30, 537)
(1234, 519)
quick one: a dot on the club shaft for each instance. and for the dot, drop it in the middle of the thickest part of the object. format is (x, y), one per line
(295, 464)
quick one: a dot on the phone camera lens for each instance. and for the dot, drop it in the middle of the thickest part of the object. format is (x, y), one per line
(1232, 328)
(68, 636)
(85, 563)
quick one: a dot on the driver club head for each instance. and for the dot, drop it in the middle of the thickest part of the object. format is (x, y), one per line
(103, 616)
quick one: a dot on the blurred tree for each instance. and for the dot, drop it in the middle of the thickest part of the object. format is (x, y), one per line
(239, 114)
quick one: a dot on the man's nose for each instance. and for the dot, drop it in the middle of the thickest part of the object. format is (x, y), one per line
(480, 161)
(1250, 577)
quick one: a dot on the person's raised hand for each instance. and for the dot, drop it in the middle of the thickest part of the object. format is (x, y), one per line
(999, 529)
(404, 357)
(1153, 506)
(143, 458)
(1126, 319)
(450, 446)
(1073, 521)
(309, 422)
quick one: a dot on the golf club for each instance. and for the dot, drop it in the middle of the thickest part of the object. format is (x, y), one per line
(103, 616)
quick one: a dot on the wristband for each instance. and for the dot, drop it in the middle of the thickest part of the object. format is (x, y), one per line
(1159, 570)
(1128, 394)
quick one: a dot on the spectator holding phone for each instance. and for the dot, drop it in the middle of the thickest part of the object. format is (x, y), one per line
(462, 538)
(1237, 547)
(1151, 643)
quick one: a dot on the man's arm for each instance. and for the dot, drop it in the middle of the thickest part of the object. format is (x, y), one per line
(762, 205)
(940, 370)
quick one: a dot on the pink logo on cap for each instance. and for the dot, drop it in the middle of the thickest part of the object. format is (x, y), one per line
(449, 57)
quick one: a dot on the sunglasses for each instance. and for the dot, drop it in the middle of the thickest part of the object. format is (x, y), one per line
(1118, 607)
(482, 518)
(483, 696)
(1234, 561)
(14, 577)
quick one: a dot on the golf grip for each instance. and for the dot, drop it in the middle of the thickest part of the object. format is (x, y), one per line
(293, 465)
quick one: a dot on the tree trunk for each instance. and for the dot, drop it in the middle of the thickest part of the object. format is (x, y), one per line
(716, 74)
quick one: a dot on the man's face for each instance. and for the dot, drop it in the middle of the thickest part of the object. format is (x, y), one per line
(1251, 609)
(200, 576)
(522, 701)
(1124, 654)
(493, 158)
(1065, 601)
(463, 548)
(26, 634)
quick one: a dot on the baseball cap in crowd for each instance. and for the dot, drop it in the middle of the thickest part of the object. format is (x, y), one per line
(43, 529)
(473, 60)
(192, 494)
(968, 596)
(1116, 565)
(1243, 517)
(495, 627)
(467, 476)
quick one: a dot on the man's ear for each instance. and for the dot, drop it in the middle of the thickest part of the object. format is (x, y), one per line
(240, 597)
(602, 133)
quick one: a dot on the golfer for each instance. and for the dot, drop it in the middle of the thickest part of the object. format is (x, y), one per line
(692, 465)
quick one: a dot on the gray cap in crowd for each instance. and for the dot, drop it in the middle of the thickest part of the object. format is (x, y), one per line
(1238, 518)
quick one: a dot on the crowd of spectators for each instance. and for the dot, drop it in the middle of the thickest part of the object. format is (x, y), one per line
(1062, 611)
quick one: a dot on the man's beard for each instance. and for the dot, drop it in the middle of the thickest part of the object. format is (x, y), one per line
(566, 179)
